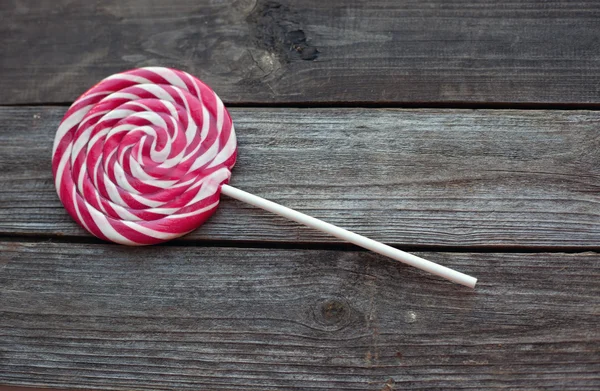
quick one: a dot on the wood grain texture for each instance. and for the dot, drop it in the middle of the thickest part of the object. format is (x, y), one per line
(406, 177)
(284, 51)
(16, 388)
(166, 317)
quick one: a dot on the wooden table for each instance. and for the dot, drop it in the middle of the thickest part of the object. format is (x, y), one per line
(464, 131)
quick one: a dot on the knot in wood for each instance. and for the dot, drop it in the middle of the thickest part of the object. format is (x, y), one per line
(332, 312)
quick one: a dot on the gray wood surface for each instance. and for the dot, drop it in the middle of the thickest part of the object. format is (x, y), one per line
(168, 317)
(452, 178)
(283, 51)
(252, 302)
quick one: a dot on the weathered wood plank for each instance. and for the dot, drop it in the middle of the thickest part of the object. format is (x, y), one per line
(166, 317)
(16, 388)
(407, 177)
(266, 51)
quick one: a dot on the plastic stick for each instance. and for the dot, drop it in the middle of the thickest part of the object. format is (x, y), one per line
(359, 240)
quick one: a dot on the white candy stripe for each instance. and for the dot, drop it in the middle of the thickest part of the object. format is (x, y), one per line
(205, 124)
(113, 192)
(117, 114)
(206, 157)
(67, 125)
(157, 91)
(61, 169)
(226, 152)
(169, 163)
(146, 201)
(194, 82)
(81, 178)
(99, 200)
(185, 184)
(140, 105)
(122, 180)
(194, 213)
(165, 211)
(93, 96)
(220, 114)
(129, 77)
(77, 210)
(107, 229)
(140, 174)
(210, 185)
(97, 137)
(169, 76)
(172, 109)
(151, 232)
(124, 214)
(122, 95)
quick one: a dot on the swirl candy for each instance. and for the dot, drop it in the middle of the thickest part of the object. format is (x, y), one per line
(140, 157)
(143, 156)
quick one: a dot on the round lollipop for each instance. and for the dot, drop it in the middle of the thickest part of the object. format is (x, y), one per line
(143, 156)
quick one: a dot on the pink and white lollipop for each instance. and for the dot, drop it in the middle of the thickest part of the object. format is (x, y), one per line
(143, 156)
(140, 157)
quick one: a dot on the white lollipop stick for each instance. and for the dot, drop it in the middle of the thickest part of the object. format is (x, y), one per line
(351, 237)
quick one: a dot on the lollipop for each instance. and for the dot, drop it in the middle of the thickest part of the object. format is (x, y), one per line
(143, 156)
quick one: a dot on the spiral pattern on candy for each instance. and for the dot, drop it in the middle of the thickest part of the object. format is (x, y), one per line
(140, 158)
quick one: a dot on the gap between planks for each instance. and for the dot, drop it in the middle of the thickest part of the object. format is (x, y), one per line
(528, 106)
(334, 246)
